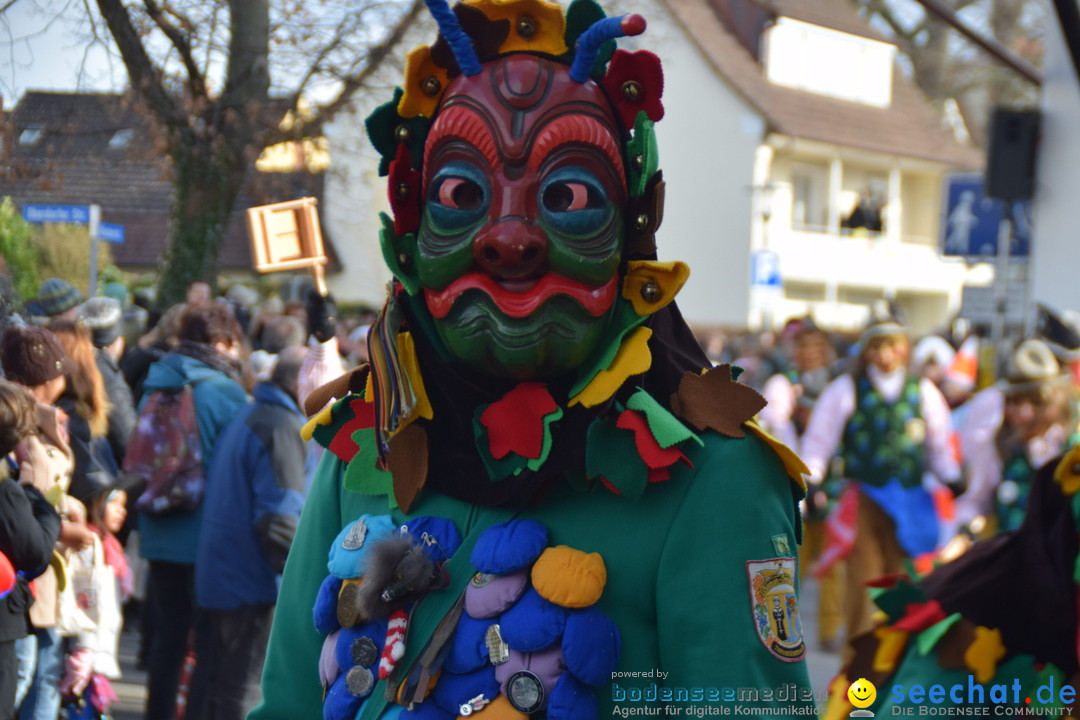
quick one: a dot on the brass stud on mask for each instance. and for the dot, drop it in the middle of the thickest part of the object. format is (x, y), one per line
(641, 222)
(402, 191)
(631, 90)
(430, 86)
(526, 27)
(404, 260)
(650, 292)
(402, 133)
(638, 162)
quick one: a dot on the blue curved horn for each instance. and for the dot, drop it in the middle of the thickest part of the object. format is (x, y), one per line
(459, 41)
(588, 44)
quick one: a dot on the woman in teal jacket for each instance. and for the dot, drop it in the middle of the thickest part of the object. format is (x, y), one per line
(207, 359)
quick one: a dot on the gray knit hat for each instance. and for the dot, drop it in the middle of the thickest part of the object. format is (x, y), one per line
(57, 296)
(104, 319)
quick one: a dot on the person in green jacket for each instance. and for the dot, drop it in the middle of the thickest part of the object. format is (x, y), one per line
(539, 499)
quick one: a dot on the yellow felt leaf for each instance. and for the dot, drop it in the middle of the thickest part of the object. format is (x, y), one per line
(838, 705)
(323, 417)
(669, 277)
(410, 365)
(983, 654)
(796, 468)
(419, 67)
(632, 358)
(890, 644)
(546, 18)
(1067, 472)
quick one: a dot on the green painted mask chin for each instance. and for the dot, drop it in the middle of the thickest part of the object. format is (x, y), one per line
(556, 340)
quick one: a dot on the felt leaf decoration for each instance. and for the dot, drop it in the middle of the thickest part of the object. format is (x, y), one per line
(487, 36)
(544, 20)
(515, 422)
(793, 464)
(425, 82)
(393, 248)
(509, 466)
(408, 463)
(323, 417)
(410, 367)
(894, 601)
(635, 82)
(932, 635)
(982, 656)
(349, 416)
(1067, 472)
(665, 427)
(580, 16)
(919, 616)
(632, 358)
(891, 644)
(362, 474)
(535, 464)
(610, 454)
(350, 383)
(714, 400)
(664, 279)
(648, 449)
(403, 187)
(386, 128)
(642, 145)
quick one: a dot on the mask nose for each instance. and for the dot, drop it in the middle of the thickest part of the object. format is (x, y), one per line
(511, 250)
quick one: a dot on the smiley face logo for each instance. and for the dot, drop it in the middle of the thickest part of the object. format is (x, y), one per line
(862, 693)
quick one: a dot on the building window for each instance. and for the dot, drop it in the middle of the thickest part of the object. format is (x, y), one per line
(121, 139)
(31, 135)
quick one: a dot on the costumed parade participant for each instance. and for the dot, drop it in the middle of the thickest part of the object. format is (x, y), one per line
(535, 502)
(888, 428)
(994, 629)
(1014, 428)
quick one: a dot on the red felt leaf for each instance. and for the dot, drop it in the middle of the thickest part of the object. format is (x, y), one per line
(887, 581)
(650, 451)
(919, 616)
(643, 69)
(404, 190)
(515, 423)
(343, 445)
(659, 474)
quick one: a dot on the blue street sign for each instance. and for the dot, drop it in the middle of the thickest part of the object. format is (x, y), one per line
(111, 232)
(970, 223)
(765, 269)
(77, 214)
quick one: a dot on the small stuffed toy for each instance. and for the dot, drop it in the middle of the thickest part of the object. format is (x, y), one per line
(7, 575)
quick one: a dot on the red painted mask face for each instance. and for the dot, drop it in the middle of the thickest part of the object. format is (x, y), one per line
(521, 235)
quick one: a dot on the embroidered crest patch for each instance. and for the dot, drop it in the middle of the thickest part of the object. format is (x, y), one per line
(774, 607)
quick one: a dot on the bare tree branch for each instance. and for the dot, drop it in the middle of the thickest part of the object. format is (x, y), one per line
(179, 40)
(373, 59)
(145, 77)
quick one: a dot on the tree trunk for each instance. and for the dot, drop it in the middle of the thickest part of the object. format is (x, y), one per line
(207, 177)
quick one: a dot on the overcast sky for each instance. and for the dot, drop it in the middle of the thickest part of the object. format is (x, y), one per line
(41, 49)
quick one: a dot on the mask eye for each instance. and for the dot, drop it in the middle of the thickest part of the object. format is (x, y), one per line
(460, 194)
(569, 196)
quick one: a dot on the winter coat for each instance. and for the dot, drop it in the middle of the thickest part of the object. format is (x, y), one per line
(29, 528)
(121, 405)
(218, 399)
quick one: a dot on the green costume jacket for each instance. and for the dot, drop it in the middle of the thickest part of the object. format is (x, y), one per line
(681, 564)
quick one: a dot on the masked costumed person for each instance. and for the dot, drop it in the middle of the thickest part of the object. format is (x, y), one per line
(888, 428)
(1014, 428)
(534, 492)
(993, 632)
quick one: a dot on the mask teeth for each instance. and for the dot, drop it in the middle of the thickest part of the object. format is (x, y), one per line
(588, 45)
(458, 40)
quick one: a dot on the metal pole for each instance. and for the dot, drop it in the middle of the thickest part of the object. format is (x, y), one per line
(95, 232)
(1001, 293)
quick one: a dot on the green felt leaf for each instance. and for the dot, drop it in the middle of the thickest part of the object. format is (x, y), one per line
(610, 453)
(382, 128)
(579, 16)
(392, 246)
(667, 429)
(643, 143)
(545, 450)
(341, 414)
(362, 475)
(932, 635)
(624, 320)
(894, 601)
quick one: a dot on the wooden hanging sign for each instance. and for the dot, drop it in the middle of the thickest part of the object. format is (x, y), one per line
(287, 236)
